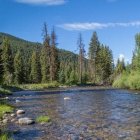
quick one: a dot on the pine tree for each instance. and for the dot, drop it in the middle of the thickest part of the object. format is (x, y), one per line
(45, 56)
(35, 68)
(136, 56)
(7, 60)
(18, 69)
(81, 58)
(94, 48)
(105, 64)
(61, 76)
(120, 67)
(54, 63)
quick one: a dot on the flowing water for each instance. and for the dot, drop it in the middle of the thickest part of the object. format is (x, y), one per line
(89, 114)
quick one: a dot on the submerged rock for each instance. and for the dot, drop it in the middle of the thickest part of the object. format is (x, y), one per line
(26, 121)
(20, 112)
(18, 101)
(67, 98)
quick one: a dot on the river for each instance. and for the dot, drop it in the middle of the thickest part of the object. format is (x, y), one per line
(79, 114)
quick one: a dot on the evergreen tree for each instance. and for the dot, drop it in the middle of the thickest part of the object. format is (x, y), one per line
(120, 67)
(136, 55)
(18, 69)
(45, 56)
(62, 77)
(94, 48)
(35, 68)
(81, 58)
(54, 63)
(105, 64)
(7, 60)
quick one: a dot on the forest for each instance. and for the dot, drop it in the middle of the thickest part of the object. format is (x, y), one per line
(24, 62)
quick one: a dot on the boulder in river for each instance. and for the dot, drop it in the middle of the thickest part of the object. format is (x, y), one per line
(20, 112)
(26, 121)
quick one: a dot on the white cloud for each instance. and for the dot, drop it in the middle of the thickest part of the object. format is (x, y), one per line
(42, 2)
(95, 25)
(121, 57)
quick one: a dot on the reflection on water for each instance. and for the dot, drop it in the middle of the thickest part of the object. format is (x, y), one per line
(86, 115)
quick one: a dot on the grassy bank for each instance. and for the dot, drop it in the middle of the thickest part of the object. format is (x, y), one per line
(4, 91)
(5, 108)
(128, 80)
(7, 90)
(38, 86)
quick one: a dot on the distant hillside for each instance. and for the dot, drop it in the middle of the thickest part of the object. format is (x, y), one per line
(27, 47)
(15, 41)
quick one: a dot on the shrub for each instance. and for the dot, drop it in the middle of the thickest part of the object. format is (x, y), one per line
(122, 81)
(134, 80)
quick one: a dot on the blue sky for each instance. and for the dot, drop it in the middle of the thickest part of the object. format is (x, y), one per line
(115, 21)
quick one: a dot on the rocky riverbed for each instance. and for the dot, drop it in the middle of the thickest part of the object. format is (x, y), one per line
(76, 114)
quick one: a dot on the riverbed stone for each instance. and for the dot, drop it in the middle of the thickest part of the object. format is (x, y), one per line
(13, 120)
(18, 101)
(13, 115)
(20, 112)
(26, 121)
(5, 121)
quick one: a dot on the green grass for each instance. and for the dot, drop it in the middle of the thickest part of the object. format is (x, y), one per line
(38, 86)
(5, 108)
(5, 136)
(42, 119)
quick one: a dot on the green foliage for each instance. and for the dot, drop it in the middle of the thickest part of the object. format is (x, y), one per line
(5, 108)
(4, 91)
(54, 61)
(38, 86)
(81, 58)
(136, 54)
(5, 136)
(134, 80)
(121, 81)
(62, 76)
(45, 63)
(94, 48)
(18, 69)
(43, 119)
(128, 80)
(35, 68)
(100, 63)
(7, 61)
(104, 67)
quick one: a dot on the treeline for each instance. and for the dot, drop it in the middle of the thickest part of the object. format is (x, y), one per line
(128, 76)
(45, 63)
